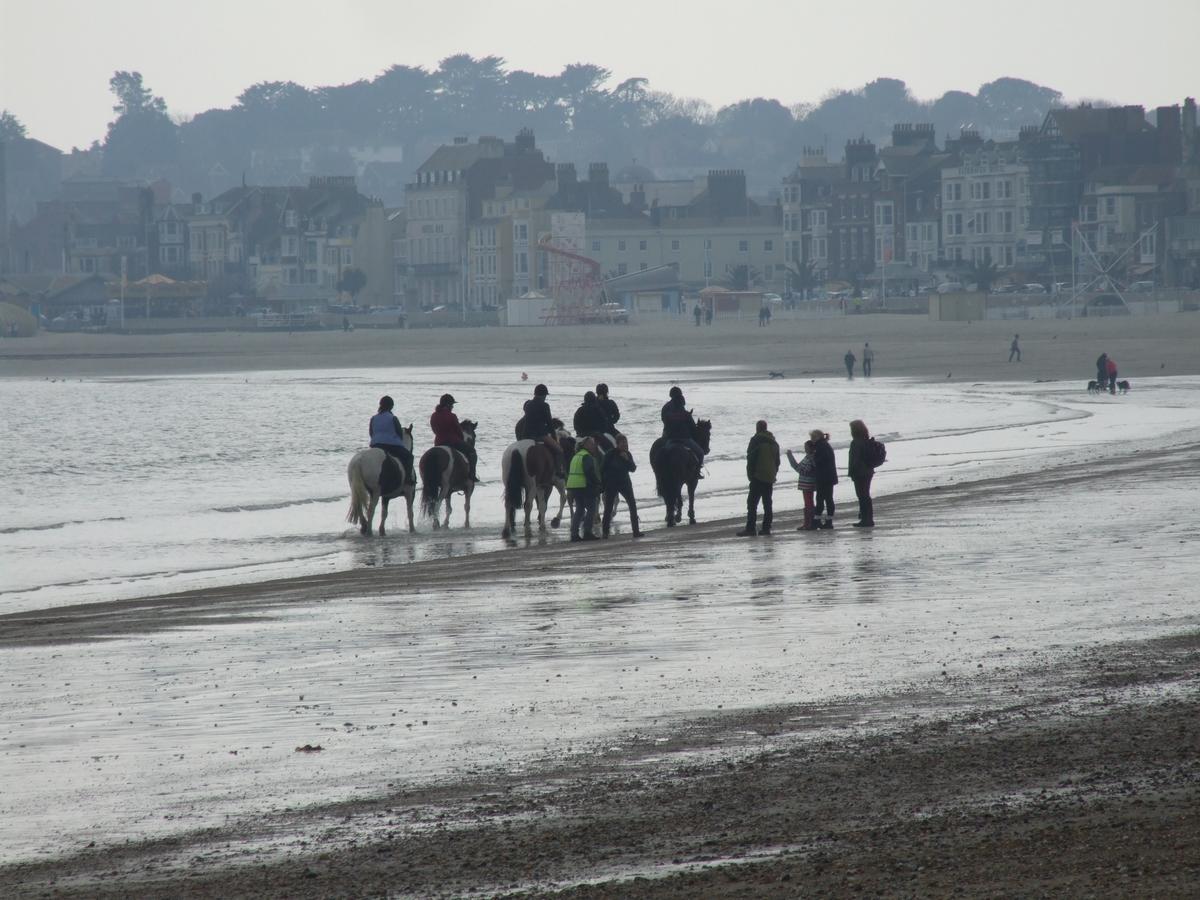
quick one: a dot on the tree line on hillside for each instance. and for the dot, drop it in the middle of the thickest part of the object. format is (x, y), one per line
(574, 111)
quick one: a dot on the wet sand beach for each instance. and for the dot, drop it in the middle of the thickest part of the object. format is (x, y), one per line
(905, 345)
(982, 696)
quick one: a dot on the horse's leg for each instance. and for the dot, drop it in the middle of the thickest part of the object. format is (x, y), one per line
(692, 502)
(409, 495)
(370, 518)
(383, 517)
(530, 489)
(562, 502)
(446, 522)
(467, 504)
(543, 500)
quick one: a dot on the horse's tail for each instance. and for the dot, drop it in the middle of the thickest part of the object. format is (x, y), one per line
(514, 480)
(359, 495)
(432, 466)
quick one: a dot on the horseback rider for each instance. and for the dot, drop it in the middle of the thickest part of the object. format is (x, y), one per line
(539, 425)
(386, 434)
(609, 406)
(448, 433)
(590, 418)
(679, 426)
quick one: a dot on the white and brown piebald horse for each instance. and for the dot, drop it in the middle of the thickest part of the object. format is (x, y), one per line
(375, 476)
(528, 471)
(445, 471)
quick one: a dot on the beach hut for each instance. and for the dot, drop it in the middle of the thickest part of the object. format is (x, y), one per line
(531, 308)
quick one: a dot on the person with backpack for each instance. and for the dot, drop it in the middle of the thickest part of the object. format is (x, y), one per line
(866, 455)
(805, 483)
(825, 476)
(762, 465)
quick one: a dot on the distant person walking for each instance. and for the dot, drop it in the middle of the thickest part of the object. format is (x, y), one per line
(868, 360)
(1101, 370)
(1014, 348)
(849, 359)
(762, 465)
(698, 312)
(861, 471)
(825, 475)
(708, 315)
(806, 483)
(763, 315)
(1110, 369)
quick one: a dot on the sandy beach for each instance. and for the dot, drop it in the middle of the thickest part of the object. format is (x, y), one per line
(909, 346)
(995, 693)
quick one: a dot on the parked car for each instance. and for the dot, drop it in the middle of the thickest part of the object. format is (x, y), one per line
(1035, 289)
(1142, 287)
(1106, 305)
(950, 287)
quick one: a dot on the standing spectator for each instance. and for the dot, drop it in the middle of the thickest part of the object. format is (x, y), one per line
(868, 360)
(614, 475)
(861, 472)
(825, 475)
(762, 465)
(849, 359)
(708, 315)
(1110, 369)
(1014, 348)
(583, 489)
(698, 312)
(805, 482)
(1101, 370)
(763, 312)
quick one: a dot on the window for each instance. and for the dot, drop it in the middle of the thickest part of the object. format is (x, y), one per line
(522, 263)
(622, 269)
(708, 243)
(821, 248)
(642, 245)
(768, 246)
(643, 266)
(1004, 189)
(985, 222)
(595, 246)
(675, 246)
(1110, 206)
(883, 214)
(620, 246)
(522, 232)
(743, 246)
(1008, 257)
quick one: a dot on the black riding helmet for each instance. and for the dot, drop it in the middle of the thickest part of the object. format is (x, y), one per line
(447, 400)
(676, 393)
(541, 390)
(386, 403)
(602, 389)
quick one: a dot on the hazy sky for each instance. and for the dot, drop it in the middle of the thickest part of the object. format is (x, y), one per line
(56, 56)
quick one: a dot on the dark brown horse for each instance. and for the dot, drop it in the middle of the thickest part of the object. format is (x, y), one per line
(445, 471)
(675, 466)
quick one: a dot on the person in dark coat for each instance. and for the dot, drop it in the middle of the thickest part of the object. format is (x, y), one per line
(861, 472)
(614, 474)
(609, 405)
(448, 433)
(825, 476)
(678, 423)
(762, 466)
(539, 425)
(849, 359)
(1110, 371)
(590, 418)
(1014, 349)
(1102, 370)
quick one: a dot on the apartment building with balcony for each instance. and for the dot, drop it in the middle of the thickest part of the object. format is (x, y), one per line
(985, 202)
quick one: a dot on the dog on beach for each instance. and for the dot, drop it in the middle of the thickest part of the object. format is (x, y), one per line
(1123, 386)
(774, 374)
(1094, 387)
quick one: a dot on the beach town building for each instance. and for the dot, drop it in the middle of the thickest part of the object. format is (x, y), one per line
(985, 202)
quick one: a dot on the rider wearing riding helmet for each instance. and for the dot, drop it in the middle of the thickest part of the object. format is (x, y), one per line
(385, 433)
(678, 424)
(539, 424)
(609, 406)
(448, 433)
(590, 418)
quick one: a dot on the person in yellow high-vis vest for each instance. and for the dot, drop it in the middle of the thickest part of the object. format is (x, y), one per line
(583, 489)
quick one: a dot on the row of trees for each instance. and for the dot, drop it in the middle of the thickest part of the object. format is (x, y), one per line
(577, 110)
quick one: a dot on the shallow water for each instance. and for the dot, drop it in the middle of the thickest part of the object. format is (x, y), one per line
(189, 482)
(180, 728)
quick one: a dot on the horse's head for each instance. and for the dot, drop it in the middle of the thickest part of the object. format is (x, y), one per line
(468, 429)
(703, 433)
(406, 437)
